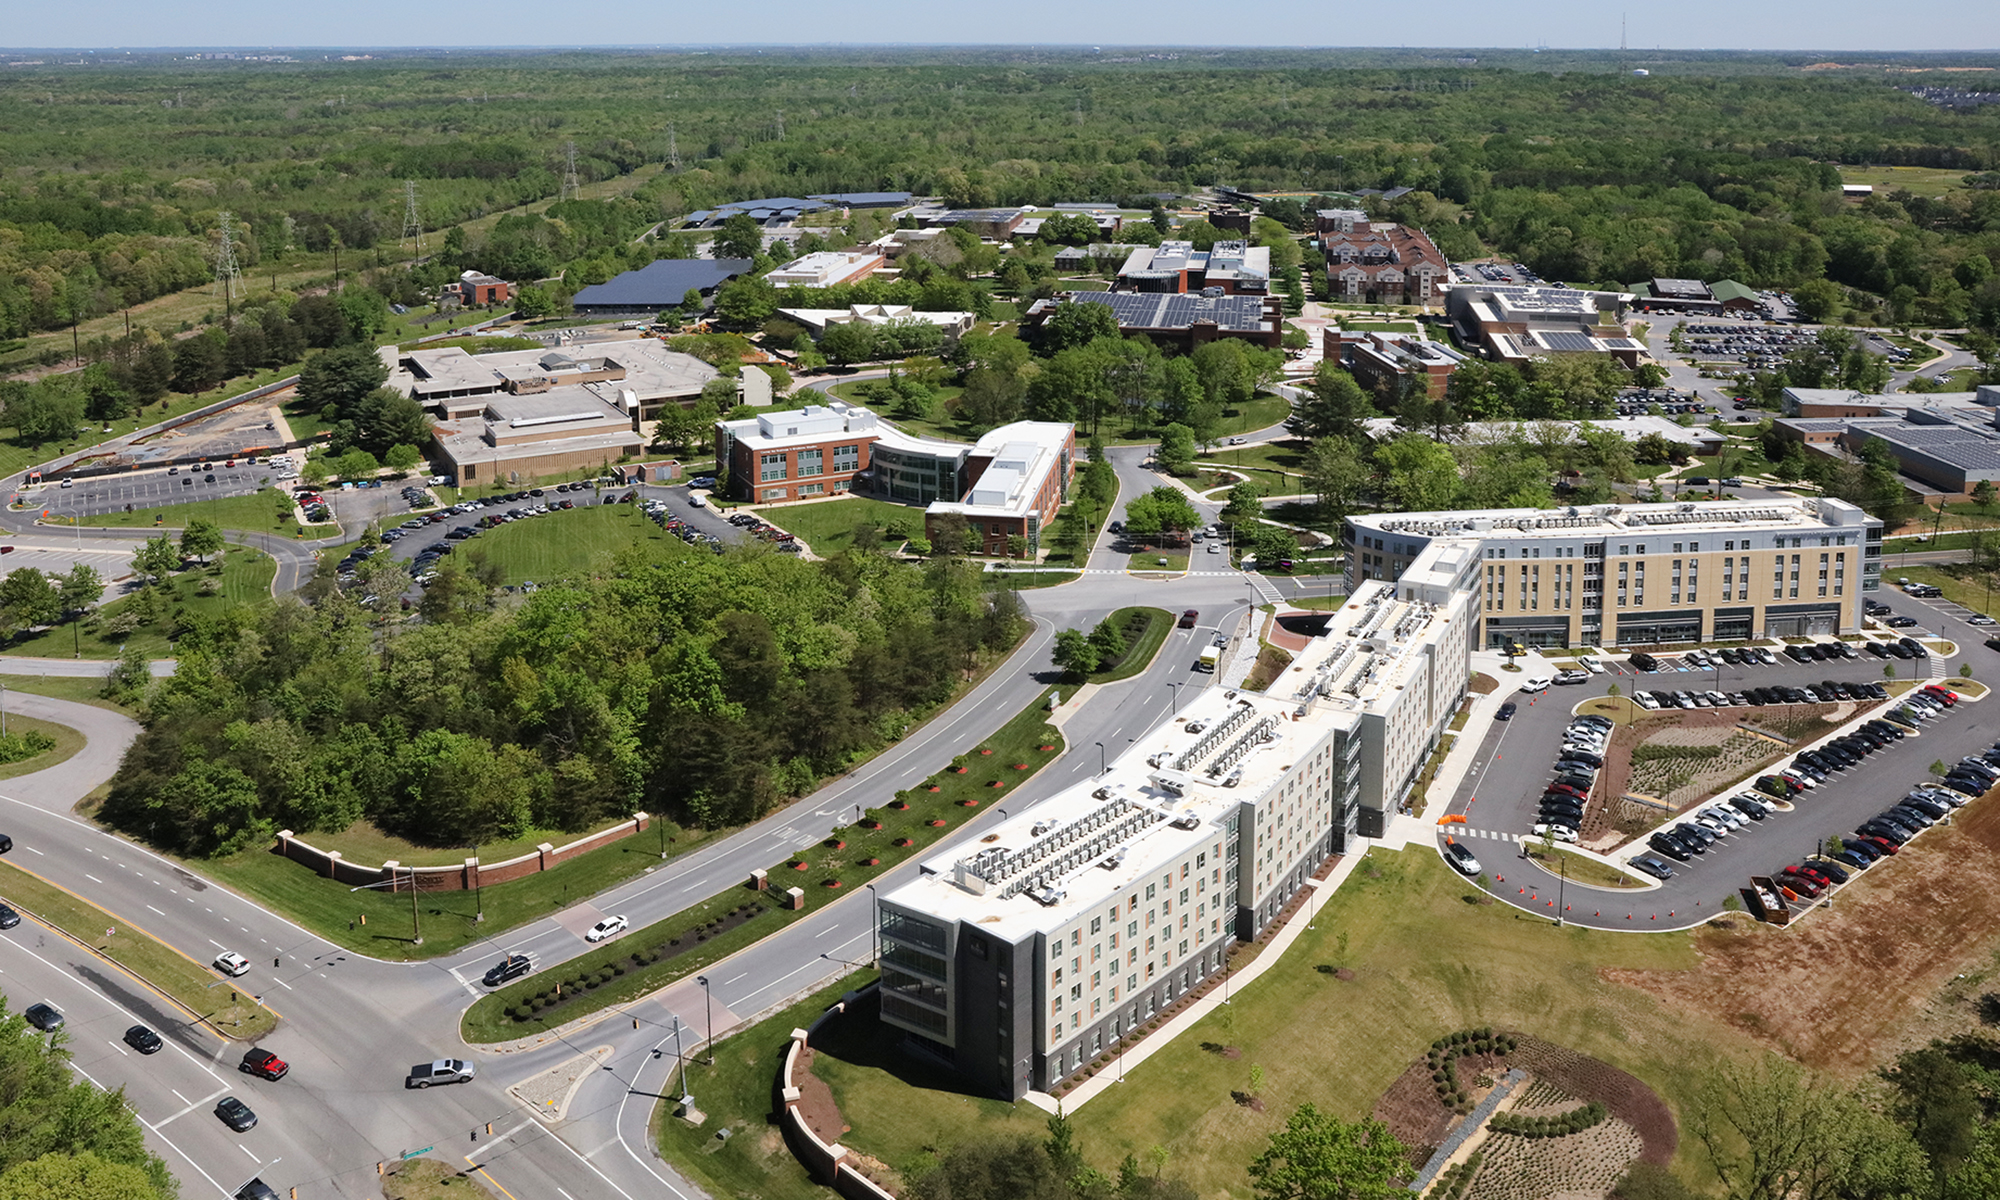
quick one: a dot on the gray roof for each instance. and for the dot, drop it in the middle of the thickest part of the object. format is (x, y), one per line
(660, 284)
(1155, 310)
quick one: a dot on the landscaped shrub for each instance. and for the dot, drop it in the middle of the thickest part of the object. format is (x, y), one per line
(1562, 1124)
(522, 1012)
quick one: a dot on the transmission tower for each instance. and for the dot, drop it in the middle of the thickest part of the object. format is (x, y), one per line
(413, 228)
(673, 151)
(781, 124)
(569, 187)
(225, 259)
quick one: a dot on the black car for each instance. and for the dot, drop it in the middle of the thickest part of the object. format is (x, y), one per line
(1831, 870)
(144, 1040)
(1671, 847)
(43, 1017)
(512, 967)
(8, 917)
(1506, 712)
(236, 1114)
(1748, 808)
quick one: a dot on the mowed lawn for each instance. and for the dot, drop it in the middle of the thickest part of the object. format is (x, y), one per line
(1428, 959)
(828, 525)
(258, 513)
(578, 541)
(241, 577)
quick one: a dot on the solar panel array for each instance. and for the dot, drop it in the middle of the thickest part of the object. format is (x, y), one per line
(1568, 341)
(1153, 310)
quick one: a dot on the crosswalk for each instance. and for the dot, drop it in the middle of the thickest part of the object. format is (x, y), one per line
(1467, 831)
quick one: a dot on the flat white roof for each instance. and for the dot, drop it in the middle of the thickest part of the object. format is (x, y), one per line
(1601, 520)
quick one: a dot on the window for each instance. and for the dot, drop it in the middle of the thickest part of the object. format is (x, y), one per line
(846, 458)
(770, 466)
(811, 462)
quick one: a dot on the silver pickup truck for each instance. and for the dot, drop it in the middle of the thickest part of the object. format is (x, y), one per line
(444, 1070)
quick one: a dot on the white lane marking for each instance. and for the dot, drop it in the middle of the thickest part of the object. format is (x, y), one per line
(245, 1149)
(37, 851)
(281, 983)
(692, 886)
(92, 878)
(565, 1195)
(191, 1106)
(727, 982)
(156, 910)
(216, 944)
(120, 1049)
(829, 929)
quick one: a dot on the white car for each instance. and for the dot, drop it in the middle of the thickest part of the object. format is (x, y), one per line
(231, 963)
(605, 928)
(1535, 684)
(1572, 676)
(1591, 665)
(1645, 700)
(1560, 833)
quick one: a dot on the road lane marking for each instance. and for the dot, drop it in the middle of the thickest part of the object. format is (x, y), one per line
(191, 1106)
(156, 910)
(216, 944)
(727, 982)
(37, 851)
(829, 929)
(177, 1092)
(245, 1149)
(92, 878)
(120, 1049)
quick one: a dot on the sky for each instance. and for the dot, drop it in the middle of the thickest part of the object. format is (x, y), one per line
(1685, 24)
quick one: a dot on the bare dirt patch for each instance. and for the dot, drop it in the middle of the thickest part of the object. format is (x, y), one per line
(816, 1102)
(1908, 926)
(1483, 684)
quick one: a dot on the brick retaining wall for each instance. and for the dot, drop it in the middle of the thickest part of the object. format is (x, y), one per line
(462, 877)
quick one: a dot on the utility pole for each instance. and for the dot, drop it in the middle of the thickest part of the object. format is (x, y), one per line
(673, 151)
(569, 185)
(413, 227)
(225, 259)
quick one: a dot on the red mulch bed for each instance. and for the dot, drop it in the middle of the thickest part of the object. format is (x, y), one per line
(1412, 1111)
(816, 1104)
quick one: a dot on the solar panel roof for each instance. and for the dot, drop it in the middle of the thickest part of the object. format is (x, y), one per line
(1568, 341)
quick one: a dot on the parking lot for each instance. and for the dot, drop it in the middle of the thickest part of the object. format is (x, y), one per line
(155, 488)
(1501, 798)
(1755, 346)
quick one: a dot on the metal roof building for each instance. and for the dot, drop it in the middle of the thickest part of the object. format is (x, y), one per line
(659, 284)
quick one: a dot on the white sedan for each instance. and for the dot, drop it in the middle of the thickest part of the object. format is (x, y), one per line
(605, 928)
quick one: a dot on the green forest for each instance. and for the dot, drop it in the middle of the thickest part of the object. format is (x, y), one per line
(706, 687)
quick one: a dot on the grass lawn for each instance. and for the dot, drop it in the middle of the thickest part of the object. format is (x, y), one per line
(333, 912)
(1918, 181)
(1380, 326)
(67, 742)
(1152, 626)
(1580, 869)
(242, 576)
(839, 865)
(1319, 603)
(185, 980)
(1157, 560)
(828, 525)
(1972, 591)
(1081, 515)
(940, 424)
(1015, 581)
(736, 1095)
(257, 512)
(578, 541)
(429, 1179)
(1274, 456)
(81, 689)
(1427, 959)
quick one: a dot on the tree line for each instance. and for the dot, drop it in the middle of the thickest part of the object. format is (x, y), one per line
(65, 1135)
(708, 688)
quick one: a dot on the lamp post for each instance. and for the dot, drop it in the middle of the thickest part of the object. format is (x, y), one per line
(875, 919)
(1562, 888)
(416, 928)
(1101, 768)
(707, 1018)
(1174, 689)
(478, 891)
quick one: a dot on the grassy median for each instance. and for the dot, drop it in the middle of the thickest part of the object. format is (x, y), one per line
(195, 987)
(843, 863)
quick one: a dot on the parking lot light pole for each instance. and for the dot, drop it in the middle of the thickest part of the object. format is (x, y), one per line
(708, 1017)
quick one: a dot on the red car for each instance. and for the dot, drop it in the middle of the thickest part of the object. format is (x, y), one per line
(1805, 885)
(1567, 790)
(1813, 873)
(1881, 843)
(1189, 617)
(1945, 694)
(264, 1063)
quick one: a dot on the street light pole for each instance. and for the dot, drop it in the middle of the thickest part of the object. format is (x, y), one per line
(1101, 768)
(478, 888)
(708, 1017)
(875, 918)
(416, 927)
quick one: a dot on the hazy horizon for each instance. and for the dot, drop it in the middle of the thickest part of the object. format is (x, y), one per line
(1838, 26)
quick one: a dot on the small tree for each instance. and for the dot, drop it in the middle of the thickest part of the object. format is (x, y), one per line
(1938, 768)
(1889, 671)
(1984, 493)
(1612, 690)
(1074, 652)
(200, 539)
(1256, 1079)
(401, 457)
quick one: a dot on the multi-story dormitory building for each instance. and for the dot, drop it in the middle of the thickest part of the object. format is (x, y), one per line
(1017, 957)
(1643, 574)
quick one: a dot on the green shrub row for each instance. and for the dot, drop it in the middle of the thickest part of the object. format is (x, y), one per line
(1457, 1179)
(584, 976)
(1443, 1060)
(1576, 1120)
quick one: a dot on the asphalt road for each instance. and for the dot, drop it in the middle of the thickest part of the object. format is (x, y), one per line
(1499, 798)
(148, 489)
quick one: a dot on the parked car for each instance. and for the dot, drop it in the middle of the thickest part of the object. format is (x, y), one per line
(1654, 867)
(1458, 856)
(1506, 712)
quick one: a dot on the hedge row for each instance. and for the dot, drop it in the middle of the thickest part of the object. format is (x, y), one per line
(1576, 1120)
(1447, 1050)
